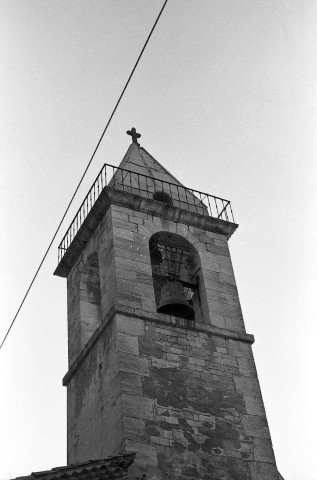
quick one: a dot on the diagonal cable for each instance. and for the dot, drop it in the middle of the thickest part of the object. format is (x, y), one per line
(83, 175)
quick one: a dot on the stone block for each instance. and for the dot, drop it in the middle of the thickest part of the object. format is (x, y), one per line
(120, 209)
(126, 287)
(138, 407)
(225, 361)
(221, 242)
(224, 308)
(142, 257)
(160, 441)
(148, 305)
(129, 325)
(247, 386)
(221, 350)
(239, 349)
(263, 451)
(254, 405)
(227, 278)
(246, 367)
(146, 456)
(218, 250)
(211, 280)
(235, 323)
(223, 260)
(141, 239)
(120, 215)
(150, 226)
(124, 224)
(255, 426)
(140, 248)
(217, 320)
(172, 356)
(182, 229)
(221, 296)
(196, 361)
(122, 233)
(130, 383)
(127, 343)
(125, 263)
(127, 275)
(227, 269)
(146, 231)
(150, 348)
(135, 219)
(140, 215)
(134, 429)
(130, 300)
(145, 290)
(144, 279)
(132, 364)
(263, 471)
(123, 252)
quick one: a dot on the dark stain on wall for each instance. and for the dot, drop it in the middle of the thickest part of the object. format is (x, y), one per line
(194, 424)
(176, 388)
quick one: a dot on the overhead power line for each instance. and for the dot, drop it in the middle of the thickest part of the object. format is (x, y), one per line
(86, 169)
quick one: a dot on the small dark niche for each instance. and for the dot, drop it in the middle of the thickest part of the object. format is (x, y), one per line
(163, 197)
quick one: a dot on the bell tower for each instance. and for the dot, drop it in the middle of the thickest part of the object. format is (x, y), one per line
(159, 360)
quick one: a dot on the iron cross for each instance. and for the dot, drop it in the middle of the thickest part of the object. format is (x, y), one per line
(133, 133)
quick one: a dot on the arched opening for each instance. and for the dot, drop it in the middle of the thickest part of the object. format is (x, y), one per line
(90, 298)
(175, 272)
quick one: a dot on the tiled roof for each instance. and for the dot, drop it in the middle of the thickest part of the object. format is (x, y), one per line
(111, 468)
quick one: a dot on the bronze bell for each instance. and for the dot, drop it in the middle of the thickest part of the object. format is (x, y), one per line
(173, 301)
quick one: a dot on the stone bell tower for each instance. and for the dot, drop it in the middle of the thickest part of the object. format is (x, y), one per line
(159, 360)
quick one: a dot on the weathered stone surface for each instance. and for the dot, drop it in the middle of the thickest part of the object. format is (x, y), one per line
(246, 367)
(130, 326)
(134, 429)
(239, 349)
(263, 451)
(133, 364)
(138, 407)
(255, 426)
(247, 386)
(128, 344)
(129, 383)
(263, 471)
(254, 405)
(149, 347)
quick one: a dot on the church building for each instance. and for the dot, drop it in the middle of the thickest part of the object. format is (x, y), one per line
(161, 381)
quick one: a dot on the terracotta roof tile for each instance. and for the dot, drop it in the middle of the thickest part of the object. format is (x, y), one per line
(111, 468)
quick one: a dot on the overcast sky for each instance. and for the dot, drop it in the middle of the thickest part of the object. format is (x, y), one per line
(225, 98)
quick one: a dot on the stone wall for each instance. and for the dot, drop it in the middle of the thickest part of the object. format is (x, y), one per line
(186, 400)
(182, 394)
(194, 409)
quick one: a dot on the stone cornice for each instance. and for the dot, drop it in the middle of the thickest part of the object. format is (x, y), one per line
(110, 196)
(162, 319)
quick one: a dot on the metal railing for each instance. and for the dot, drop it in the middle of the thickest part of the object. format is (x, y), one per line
(149, 187)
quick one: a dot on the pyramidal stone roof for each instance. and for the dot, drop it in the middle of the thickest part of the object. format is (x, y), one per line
(138, 160)
(111, 468)
(147, 176)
